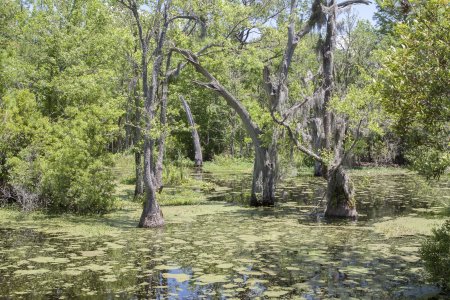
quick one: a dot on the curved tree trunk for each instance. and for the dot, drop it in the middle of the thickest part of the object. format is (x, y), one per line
(264, 171)
(198, 157)
(340, 194)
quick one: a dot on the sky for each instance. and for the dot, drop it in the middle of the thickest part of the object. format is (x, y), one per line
(365, 11)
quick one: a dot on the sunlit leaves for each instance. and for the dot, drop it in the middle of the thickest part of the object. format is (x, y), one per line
(414, 80)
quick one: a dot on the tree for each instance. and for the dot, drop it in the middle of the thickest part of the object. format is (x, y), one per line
(152, 42)
(340, 193)
(262, 134)
(413, 83)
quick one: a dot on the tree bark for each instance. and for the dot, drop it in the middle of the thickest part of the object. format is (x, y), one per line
(264, 176)
(328, 66)
(163, 134)
(264, 171)
(139, 186)
(340, 194)
(198, 157)
(340, 191)
(151, 214)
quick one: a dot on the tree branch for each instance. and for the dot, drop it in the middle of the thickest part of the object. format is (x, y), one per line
(251, 128)
(299, 146)
(176, 71)
(192, 18)
(351, 2)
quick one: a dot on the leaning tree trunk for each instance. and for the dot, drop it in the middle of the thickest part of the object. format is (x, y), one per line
(340, 194)
(264, 172)
(198, 157)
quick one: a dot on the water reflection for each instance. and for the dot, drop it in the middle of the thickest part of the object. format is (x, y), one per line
(280, 252)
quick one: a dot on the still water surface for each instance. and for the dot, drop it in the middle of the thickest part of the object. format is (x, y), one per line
(288, 251)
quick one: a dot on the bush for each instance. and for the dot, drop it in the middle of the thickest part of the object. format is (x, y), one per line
(435, 252)
(63, 165)
(428, 161)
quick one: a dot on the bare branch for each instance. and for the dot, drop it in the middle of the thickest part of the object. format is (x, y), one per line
(176, 71)
(297, 144)
(251, 128)
(294, 108)
(351, 2)
(198, 20)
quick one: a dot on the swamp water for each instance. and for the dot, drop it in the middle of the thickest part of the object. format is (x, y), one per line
(221, 250)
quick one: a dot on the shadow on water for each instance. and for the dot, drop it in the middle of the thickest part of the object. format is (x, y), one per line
(242, 253)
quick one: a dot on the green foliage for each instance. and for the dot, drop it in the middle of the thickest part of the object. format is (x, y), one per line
(22, 131)
(428, 161)
(413, 83)
(436, 254)
(177, 173)
(390, 12)
(62, 165)
(55, 134)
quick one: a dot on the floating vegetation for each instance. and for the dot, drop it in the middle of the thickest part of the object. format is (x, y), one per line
(50, 260)
(404, 226)
(224, 266)
(275, 293)
(221, 250)
(31, 272)
(212, 278)
(92, 253)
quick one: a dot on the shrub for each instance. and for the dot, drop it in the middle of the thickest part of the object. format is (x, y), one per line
(428, 161)
(63, 165)
(435, 252)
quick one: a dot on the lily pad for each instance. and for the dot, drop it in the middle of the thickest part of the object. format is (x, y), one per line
(92, 253)
(48, 259)
(31, 272)
(212, 278)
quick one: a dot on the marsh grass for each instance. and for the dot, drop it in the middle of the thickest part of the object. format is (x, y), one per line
(380, 171)
(227, 164)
